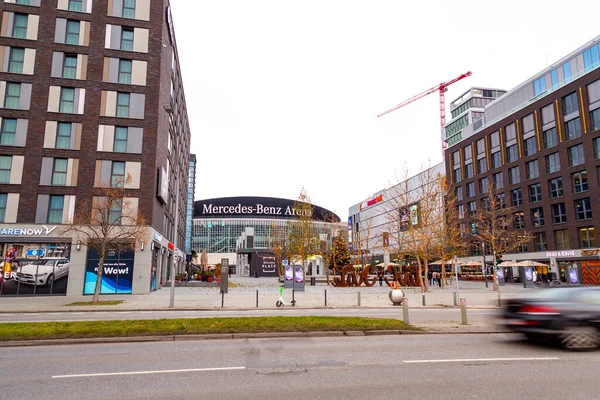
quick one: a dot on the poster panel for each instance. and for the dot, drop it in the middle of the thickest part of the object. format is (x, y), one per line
(117, 274)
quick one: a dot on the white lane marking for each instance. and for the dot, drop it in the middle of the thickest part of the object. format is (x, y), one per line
(482, 359)
(165, 371)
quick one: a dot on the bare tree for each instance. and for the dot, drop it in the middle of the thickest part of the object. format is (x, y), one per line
(109, 222)
(277, 245)
(498, 227)
(302, 238)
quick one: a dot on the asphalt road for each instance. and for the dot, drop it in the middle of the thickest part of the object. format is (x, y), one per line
(492, 366)
(416, 315)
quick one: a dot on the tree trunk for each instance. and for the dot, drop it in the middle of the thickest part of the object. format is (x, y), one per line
(423, 281)
(96, 298)
(443, 273)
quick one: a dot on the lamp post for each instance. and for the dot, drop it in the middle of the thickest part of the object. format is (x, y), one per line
(484, 266)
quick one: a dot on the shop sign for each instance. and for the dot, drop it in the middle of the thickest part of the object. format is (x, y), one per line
(588, 253)
(373, 201)
(44, 230)
(567, 253)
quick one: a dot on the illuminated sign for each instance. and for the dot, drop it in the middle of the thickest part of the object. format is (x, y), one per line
(373, 201)
(44, 230)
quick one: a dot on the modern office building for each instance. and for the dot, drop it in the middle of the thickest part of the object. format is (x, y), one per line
(189, 215)
(90, 92)
(374, 223)
(539, 144)
(241, 228)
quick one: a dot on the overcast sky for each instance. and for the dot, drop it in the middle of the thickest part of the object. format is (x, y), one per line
(285, 94)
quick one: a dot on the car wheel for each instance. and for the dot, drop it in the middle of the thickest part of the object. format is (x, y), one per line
(50, 280)
(580, 338)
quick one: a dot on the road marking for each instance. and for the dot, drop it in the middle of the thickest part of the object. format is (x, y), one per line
(165, 371)
(482, 359)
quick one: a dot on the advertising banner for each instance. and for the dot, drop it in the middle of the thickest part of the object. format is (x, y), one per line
(527, 273)
(500, 274)
(117, 274)
(299, 278)
(572, 275)
(289, 277)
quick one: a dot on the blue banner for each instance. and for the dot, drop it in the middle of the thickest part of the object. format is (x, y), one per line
(117, 274)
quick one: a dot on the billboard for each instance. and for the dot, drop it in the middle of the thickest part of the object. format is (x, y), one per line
(409, 216)
(117, 274)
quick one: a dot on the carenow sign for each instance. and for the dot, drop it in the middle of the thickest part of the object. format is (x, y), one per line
(26, 231)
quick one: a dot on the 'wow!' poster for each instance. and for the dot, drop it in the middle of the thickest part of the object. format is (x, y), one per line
(116, 276)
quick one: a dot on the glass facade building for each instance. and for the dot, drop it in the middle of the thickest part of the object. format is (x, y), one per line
(189, 215)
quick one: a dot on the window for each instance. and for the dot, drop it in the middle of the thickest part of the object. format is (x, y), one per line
(561, 240)
(76, 5)
(539, 86)
(72, 36)
(67, 100)
(540, 241)
(597, 146)
(552, 163)
(482, 165)
(591, 58)
(559, 213)
(3, 201)
(63, 135)
(12, 96)
(595, 119)
(20, 26)
(550, 138)
(535, 193)
(461, 211)
(5, 167)
(583, 208)
(117, 178)
(483, 185)
(570, 103)
(116, 209)
(533, 169)
(516, 197)
(457, 175)
(23, 2)
(59, 171)
(485, 204)
(496, 159)
(556, 187)
(567, 71)
(501, 204)
(498, 180)
(128, 8)
(472, 207)
(127, 39)
(120, 142)
(125, 71)
(588, 237)
(123, 105)
(580, 182)
(15, 60)
(514, 175)
(554, 79)
(69, 69)
(537, 217)
(530, 146)
(522, 248)
(476, 248)
(8, 131)
(470, 189)
(519, 220)
(512, 153)
(573, 129)
(576, 155)
(55, 209)
(469, 170)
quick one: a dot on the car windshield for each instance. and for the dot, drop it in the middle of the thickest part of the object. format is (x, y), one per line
(44, 262)
(554, 294)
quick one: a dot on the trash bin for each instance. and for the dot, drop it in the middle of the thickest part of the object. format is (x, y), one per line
(313, 280)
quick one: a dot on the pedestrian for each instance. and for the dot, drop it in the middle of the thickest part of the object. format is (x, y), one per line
(439, 279)
(380, 276)
(430, 278)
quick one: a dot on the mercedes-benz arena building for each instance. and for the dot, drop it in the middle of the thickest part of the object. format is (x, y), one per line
(241, 228)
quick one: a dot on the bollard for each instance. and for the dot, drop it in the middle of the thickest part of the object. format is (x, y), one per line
(463, 310)
(499, 300)
(222, 299)
(455, 299)
(325, 297)
(423, 297)
(256, 298)
(405, 310)
(358, 295)
(293, 295)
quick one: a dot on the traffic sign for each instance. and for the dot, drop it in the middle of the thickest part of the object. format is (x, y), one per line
(36, 252)
(284, 262)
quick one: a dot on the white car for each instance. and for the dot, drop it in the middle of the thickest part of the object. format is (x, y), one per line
(43, 271)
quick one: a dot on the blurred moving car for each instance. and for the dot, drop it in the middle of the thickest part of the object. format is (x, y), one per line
(43, 271)
(570, 314)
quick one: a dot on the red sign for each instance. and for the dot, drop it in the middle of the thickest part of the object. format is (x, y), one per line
(171, 246)
(375, 200)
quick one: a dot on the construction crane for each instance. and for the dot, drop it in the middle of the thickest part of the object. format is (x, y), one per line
(442, 87)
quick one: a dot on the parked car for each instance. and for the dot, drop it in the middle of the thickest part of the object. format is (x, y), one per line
(43, 271)
(569, 314)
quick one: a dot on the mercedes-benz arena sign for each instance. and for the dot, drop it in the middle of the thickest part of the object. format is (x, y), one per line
(256, 207)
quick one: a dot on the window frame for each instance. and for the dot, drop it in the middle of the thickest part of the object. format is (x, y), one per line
(580, 156)
(59, 176)
(128, 75)
(12, 61)
(583, 209)
(591, 239)
(8, 134)
(65, 102)
(516, 196)
(583, 184)
(114, 182)
(537, 196)
(70, 35)
(121, 107)
(537, 220)
(121, 141)
(8, 97)
(126, 44)
(52, 211)
(61, 136)
(71, 69)
(554, 166)
(78, 2)
(3, 206)
(129, 9)
(561, 239)
(556, 188)
(18, 28)
(5, 171)
(559, 213)
(573, 129)
(550, 138)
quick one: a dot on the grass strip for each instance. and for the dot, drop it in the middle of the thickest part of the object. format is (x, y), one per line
(89, 303)
(183, 326)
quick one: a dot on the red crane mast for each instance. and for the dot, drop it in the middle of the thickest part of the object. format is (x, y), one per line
(442, 87)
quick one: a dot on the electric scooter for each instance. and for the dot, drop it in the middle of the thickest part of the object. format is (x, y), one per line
(281, 302)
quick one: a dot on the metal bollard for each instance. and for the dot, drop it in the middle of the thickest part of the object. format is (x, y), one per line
(499, 299)
(423, 297)
(257, 299)
(325, 297)
(455, 299)
(405, 311)
(222, 299)
(358, 295)
(463, 310)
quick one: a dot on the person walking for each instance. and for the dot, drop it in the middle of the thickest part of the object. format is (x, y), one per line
(380, 276)
(430, 278)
